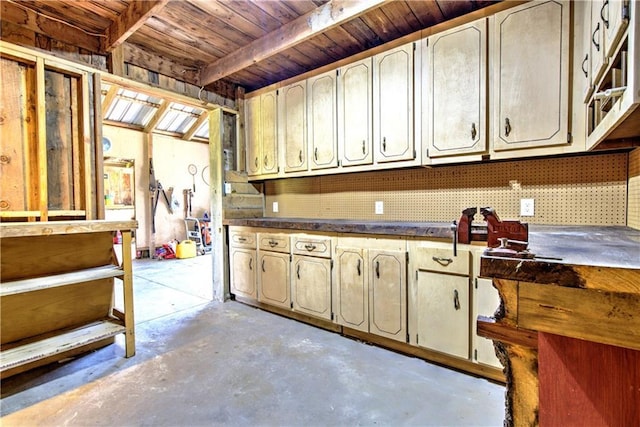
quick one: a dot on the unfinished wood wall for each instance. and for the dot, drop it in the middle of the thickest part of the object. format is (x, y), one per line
(633, 216)
(576, 190)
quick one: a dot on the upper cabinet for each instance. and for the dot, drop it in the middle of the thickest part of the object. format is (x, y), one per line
(393, 105)
(355, 111)
(454, 116)
(292, 126)
(322, 128)
(262, 143)
(530, 65)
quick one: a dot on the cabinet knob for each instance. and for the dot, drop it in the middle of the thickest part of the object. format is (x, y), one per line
(256, 162)
(473, 131)
(263, 270)
(315, 154)
(250, 263)
(456, 300)
(298, 271)
(364, 147)
(378, 269)
(266, 160)
(384, 143)
(300, 156)
(358, 268)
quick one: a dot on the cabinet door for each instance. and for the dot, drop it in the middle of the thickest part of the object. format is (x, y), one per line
(311, 286)
(254, 136)
(442, 304)
(456, 111)
(352, 289)
(268, 118)
(322, 121)
(355, 112)
(388, 294)
(273, 282)
(486, 302)
(292, 122)
(393, 104)
(243, 273)
(531, 76)
(597, 51)
(615, 20)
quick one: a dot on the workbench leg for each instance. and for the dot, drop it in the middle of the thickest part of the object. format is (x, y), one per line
(129, 321)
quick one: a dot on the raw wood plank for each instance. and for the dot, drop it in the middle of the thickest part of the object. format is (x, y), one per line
(25, 17)
(41, 141)
(54, 254)
(13, 133)
(30, 285)
(243, 201)
(34, 313)
(17, 34)
(185, 71)
(592, 315)
(488, 327)
(64, 342)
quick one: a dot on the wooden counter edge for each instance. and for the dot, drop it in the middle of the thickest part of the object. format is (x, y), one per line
(46, 228)
(493, 329)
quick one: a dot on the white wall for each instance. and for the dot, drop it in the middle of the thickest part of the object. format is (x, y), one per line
(171, 159)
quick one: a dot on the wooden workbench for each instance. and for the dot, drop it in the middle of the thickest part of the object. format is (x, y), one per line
(56, 290)
(568, 333)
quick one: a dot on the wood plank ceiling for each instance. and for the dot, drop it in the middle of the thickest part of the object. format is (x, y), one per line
(250, 43)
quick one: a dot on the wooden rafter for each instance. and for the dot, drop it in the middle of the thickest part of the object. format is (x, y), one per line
(323, 18)
(41, 24)
(130, 20)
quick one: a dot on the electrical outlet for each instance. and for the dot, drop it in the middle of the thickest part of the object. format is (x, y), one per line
(527, 207)
(275, 207)
(379, 206)
(227, 188)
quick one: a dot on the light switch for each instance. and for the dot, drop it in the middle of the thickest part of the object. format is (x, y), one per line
(379, 206)
(275, 207)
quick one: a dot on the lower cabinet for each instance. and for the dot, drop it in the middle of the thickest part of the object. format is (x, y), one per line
(273, 271)
(371, 287)
(439, 298)
(242, 262)
(311, 276)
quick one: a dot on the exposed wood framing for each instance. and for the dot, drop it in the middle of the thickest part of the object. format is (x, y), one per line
(115, 61)
(129, 21)
(289, 35)
(216, 178)
(157, 116)
(195, 126)
(43, 205)
(40, 24)
(97, 137)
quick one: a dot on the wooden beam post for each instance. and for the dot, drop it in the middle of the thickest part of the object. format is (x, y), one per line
(41, 120)
(240, 147)
(115, 62)
(97, 137)
(216, 180)
(321, 19)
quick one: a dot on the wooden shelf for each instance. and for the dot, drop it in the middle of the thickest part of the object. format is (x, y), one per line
(66, 341)
(39, 283)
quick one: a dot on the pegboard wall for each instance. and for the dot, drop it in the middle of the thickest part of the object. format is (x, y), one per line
(587, 190)
(633, 211)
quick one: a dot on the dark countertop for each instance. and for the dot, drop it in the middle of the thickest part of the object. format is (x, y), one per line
(606, 246)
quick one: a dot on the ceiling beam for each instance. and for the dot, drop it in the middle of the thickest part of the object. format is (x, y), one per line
(39, 23)
(130, 20)
(323, 18)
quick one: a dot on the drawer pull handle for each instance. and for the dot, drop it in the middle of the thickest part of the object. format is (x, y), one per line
(298, 271)
(315, 154)
(300, 156)
(507, 127)
(363, 147)
(584, 64)
(266, 160)
(442, 261)
(378, 269)
(273, 243)
(473, 131)
(263, 270)
(358, 268)
(384, 144)
(310, 247)
(242, 239)
(456, 300)
(256, 162)
(250, 263)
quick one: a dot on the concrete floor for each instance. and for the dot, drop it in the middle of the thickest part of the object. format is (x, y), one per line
(207, 363)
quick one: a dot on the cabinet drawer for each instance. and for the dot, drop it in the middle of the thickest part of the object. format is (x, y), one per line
(242, 239)
(273, 242)
(312, 245)
(442, 260)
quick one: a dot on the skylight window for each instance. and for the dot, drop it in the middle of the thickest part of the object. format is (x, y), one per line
(132, 108)
(179, 118)
(203, 130)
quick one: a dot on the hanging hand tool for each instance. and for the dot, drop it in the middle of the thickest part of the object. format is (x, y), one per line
(156, 189)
